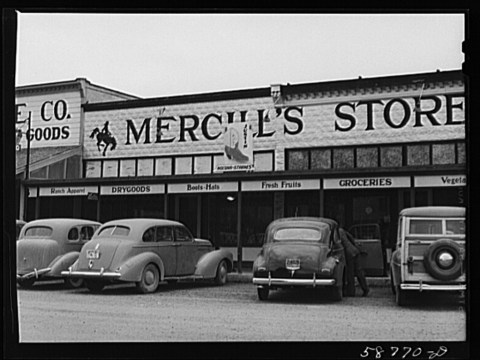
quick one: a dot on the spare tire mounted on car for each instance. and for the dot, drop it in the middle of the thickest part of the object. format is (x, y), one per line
(443, 260)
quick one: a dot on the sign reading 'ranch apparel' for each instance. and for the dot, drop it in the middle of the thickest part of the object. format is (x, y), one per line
(68, 191)
(367, 183)
(133, 189)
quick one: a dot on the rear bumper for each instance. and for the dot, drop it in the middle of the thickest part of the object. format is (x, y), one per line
(33, 274)
(292, 282)
(433, 287)
(92, 274)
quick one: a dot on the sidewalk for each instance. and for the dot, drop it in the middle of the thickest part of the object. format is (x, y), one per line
(246, 277)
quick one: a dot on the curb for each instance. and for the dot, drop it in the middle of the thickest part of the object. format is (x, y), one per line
(246, 277)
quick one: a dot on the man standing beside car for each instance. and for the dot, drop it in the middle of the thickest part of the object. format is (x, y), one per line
(353, 267)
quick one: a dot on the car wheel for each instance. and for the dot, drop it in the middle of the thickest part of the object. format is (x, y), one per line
(94, 285)
(26, 283)
(150, 279)
(336, 293)
(400, 296)
(73, 283)
(443, 260)
(263, 293)
(221, 276)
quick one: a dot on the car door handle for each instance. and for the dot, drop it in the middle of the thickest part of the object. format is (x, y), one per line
(176, 244)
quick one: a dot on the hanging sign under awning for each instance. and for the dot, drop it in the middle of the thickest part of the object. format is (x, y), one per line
(383, 182)
(68, 190)
(440, 180)
(203, 187)
(281, 185)
(133, 189)
(32, 192)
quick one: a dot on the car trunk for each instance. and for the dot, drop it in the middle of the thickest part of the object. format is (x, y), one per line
(105, 251)
(311, 256)
(35, 254)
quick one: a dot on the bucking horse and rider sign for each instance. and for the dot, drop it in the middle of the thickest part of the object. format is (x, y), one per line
(104, 138)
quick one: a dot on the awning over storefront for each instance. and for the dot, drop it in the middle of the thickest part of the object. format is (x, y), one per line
(41, 157)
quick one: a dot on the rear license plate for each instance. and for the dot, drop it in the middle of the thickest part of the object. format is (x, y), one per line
(292, 264)
(93, 254)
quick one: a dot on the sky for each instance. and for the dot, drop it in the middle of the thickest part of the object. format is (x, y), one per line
(157, 55)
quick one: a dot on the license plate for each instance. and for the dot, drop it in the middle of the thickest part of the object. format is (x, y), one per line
(93, 254)
(292, 264)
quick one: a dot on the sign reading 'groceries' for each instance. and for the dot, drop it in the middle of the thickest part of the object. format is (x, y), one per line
(367, 183)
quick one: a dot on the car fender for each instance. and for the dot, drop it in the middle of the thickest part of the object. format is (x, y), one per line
(63, 262)
(208, 263)
(395, 268)
(131, 270)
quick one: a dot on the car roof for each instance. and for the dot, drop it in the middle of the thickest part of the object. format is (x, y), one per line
(305, 220)
(140, 222)
(434, 211)
(63, 221)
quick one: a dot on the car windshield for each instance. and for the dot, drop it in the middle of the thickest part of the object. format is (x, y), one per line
(297, 233)
(114, 230)
(38, 231)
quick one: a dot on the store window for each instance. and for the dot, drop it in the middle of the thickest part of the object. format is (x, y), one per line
(321, 159)
(391, 156)
(219, 218)
(343, 158)
(302, 203)
(418, 155)
(443, 154)
(367, 157)
(298, 160)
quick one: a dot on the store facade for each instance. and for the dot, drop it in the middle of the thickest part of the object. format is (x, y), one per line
(357, 150)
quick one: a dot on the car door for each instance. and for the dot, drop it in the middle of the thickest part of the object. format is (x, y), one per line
(159, 239)
(186, 251)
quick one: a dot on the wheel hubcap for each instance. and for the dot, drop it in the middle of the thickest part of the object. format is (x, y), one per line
(149, 277)
(445, 260)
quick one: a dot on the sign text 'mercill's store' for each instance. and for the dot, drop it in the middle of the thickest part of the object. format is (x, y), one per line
(396, 113)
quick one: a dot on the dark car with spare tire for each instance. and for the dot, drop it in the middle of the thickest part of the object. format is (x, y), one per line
(430, 252)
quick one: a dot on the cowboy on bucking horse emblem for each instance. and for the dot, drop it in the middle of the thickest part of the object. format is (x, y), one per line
(105, 137)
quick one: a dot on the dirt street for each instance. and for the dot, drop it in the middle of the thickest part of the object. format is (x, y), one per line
(202, 312)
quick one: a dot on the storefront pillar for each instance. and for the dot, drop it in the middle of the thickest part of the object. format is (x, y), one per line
(99, 207)
(321, 202)
(239, 232)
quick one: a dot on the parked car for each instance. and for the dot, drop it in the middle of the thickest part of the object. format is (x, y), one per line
(430, 251)
(19, 225)
(48, 246)
(300, 252)
(146, 252)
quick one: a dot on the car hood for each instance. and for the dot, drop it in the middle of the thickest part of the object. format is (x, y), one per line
(311, 256)
(35, 254)
(106, 249)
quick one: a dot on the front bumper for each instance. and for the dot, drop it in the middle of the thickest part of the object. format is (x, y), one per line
(108, 275)
(269, 281)
(35, 273)
(433, 287)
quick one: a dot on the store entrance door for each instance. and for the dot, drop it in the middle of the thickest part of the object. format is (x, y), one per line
(187, 211)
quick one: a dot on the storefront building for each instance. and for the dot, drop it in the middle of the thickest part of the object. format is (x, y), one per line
(228, 163)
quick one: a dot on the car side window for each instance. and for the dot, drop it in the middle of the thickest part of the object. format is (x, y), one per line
(182, 234)
(149, 235)
(86, 233)
(164, 233)
(73, 234)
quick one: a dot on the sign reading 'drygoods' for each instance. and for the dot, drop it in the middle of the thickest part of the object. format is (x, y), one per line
(441, 180)
(133, 189)
(367, 183)
(281, 185)
(68, 191)
(203, 187)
